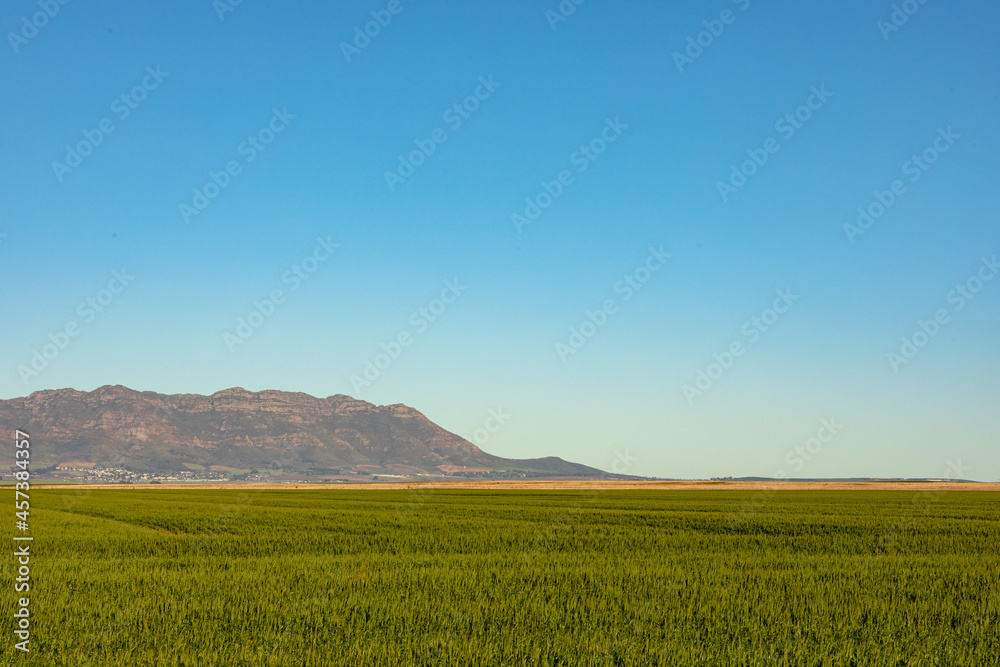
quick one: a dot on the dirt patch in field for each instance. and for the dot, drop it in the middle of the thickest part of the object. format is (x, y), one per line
(570, 486)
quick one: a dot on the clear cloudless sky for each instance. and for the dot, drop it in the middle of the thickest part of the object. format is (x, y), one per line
(619, 399)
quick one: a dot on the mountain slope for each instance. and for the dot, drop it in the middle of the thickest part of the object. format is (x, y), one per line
(271, 431)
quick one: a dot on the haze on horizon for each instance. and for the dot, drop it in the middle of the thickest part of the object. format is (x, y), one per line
(691, 258)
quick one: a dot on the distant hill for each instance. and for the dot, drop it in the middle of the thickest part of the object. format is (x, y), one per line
(268, 433)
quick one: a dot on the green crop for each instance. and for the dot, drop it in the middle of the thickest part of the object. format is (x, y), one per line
(335, 577)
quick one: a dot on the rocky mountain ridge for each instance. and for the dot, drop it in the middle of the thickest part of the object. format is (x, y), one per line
(261, 433)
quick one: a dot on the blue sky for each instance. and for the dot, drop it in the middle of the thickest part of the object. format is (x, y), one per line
(271, 82)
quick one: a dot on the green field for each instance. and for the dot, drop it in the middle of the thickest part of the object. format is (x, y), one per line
(202, 578)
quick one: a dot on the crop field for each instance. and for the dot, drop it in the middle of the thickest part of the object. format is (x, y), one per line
(443, 577)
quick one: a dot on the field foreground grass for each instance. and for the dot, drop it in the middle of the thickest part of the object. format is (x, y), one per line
(206, 577)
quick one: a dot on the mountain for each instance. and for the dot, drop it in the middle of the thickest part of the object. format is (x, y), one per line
(254, 434)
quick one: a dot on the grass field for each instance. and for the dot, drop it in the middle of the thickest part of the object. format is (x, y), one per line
(208, 577)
